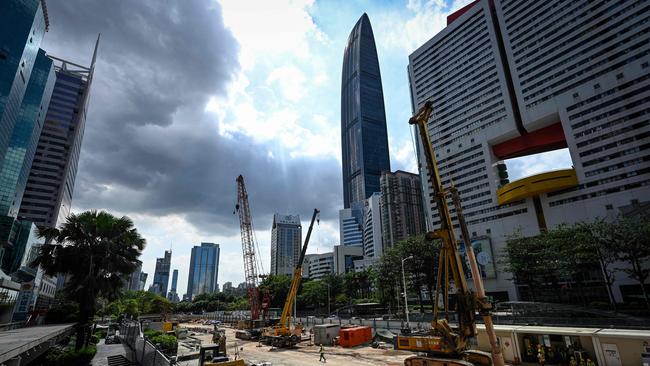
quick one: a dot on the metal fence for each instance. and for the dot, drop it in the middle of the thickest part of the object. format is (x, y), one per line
(142, 351)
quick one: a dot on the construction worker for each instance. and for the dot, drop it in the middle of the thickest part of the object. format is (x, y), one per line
(322, 354)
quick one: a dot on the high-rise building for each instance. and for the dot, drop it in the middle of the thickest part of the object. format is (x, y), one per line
(48, 194)
(173, 295)
(318, 265)
(351, 225)
(132, 281)
(364, 138)
(372, 233)
(161, 274)
(204, 269)
(345, 256)
(24, 136)
(22, 26)
(402, 211)
(143, 280)
(286, 241)
(520, 78)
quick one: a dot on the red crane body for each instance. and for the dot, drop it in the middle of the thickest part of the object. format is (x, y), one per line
(248, 249)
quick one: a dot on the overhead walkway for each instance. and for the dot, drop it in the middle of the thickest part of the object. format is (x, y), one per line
(21, 346)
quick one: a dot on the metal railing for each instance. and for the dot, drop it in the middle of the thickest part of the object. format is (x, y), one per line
(143, 351)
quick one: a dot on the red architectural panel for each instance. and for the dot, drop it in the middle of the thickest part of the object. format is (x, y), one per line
(535, 142)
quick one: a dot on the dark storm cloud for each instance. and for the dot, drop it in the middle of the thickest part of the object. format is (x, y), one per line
(149, 147)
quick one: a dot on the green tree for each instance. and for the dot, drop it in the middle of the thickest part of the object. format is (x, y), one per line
(631, 241)
(95, 250)
(313, 294)
(525, 258)
(278, 288)
(596, 236)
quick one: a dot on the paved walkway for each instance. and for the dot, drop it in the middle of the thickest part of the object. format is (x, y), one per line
(15, 342)
(105, 350)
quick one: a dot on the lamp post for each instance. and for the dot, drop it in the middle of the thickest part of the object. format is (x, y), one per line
(406, 302)
(328, 300)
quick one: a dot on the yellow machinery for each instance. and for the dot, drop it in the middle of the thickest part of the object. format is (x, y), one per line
(215, 354)
(446, 345)
(281, 334)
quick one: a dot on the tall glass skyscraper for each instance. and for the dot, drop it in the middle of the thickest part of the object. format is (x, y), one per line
(364, 139)
(50, 185)
(204, 269)
(161, 275)
(286, 240)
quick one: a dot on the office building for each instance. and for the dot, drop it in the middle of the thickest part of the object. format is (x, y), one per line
(22, 26)
(522, 78)
(48, 195)
(402, 207)
(161, 275)
(318, 265)
(364, 138)
(344, 257)
(351, 225)
(204, 269)
(132, 281)
(143, 280)
(372, 231)
(173, 295)
(286, 242)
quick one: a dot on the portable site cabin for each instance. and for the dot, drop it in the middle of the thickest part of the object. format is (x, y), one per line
(325, 333)
(355, 336)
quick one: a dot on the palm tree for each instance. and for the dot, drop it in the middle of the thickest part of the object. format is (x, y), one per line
(94, 250)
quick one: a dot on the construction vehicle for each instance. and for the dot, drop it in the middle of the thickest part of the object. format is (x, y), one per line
(443, 344)
(215, 354)
(249, 246)
(282, 334)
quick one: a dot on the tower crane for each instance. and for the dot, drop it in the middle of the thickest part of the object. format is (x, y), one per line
(249, 246)
(444, 344)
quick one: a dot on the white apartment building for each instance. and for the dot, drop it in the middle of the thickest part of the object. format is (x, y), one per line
(318, 265)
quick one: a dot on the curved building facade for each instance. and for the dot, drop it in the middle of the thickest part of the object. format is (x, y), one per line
(364, 139)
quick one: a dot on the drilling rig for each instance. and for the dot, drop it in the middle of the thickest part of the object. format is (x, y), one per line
(443, 344)
(249, 246)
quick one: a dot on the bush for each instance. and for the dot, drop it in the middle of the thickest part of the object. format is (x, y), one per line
(167, 343)
(100, 334)
(150, 333)
(94, 339)
(70, 357)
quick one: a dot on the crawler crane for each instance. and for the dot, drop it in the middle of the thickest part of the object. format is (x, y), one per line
(443, 344)
(281, 334)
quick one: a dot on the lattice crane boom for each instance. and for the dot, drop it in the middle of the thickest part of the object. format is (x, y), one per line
(248, 248)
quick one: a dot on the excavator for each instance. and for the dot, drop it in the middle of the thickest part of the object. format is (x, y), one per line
(444, 344)
(282, 335)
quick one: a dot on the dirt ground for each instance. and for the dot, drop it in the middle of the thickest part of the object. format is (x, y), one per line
(303, 354)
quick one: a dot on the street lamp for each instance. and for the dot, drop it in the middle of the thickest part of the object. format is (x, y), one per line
(328, 300)
(406, 302)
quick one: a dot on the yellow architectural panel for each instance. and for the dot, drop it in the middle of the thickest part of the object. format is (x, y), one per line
(536, 185)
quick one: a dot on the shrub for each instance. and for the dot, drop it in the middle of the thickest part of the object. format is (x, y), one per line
(100, 334)
(150, 333)
(70, 357)
(167, 343)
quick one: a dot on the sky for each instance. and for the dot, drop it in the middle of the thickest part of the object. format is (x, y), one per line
(188, 94)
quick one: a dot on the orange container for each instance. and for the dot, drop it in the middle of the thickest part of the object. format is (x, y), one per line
(350, 337)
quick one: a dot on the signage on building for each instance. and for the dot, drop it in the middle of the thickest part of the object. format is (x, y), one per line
(484, 256)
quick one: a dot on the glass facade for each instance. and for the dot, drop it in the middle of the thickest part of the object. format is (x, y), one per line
(286, 240)
(364, 138)
(161, 275)
(24, 138)
(22, 26)
(204, 269)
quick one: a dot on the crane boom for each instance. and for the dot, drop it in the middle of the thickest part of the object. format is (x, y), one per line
(248, 248)
(443, 340)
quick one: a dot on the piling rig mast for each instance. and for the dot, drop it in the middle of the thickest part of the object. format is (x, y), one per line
(444, 344)
(249, 246)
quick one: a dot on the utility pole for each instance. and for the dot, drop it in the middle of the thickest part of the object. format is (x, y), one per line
(406, 302)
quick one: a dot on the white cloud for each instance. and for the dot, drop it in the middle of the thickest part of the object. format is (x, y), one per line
(291, 81)
(538, 163)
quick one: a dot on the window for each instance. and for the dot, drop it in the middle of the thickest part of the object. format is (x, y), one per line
(619, 76)
(609, 207)
(597, 86)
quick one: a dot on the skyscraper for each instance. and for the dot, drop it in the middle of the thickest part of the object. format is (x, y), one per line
(351, 225)
(364, 139)
(286, 240)
(50, 186)
(161, 274)
(204, 269)
(173, 295)
(402, 211)
(22, 26)
(513, 80)
(372, 230)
